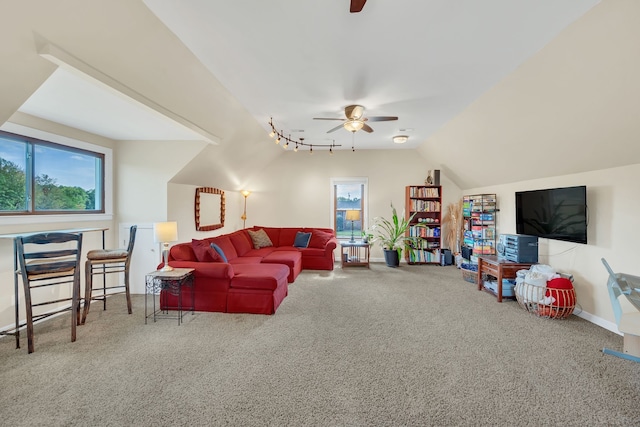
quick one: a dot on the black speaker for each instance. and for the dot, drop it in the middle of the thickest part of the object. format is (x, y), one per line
(436, 177)
(446, 257)
(466, 252)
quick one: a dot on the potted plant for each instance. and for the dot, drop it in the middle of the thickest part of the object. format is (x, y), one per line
(367, 237)
(391, 234)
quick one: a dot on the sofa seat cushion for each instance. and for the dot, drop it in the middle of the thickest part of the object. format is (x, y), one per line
(262, 252)
(259, 276)
(246, 260)
(292, 259)
(283, 257)
(312, 252)
(289, 248)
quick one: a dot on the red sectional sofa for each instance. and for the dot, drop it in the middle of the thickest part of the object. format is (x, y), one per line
(252, 280)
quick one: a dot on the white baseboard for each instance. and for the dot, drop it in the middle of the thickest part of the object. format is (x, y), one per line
(610, 326)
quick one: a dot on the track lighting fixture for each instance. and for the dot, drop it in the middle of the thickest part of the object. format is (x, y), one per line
(279, 135)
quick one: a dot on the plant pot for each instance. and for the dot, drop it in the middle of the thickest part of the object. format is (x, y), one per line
(391, 257)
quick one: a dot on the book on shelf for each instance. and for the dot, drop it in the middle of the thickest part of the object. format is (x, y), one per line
(424, 192)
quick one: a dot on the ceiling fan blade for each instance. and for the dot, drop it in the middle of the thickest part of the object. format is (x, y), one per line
(354, 112)
(326, 118)
(367, 128)
(382, 118)
(357, 5)
(335, 128)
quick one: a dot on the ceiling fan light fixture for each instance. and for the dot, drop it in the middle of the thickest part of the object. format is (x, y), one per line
(400, 139)
(353, 125)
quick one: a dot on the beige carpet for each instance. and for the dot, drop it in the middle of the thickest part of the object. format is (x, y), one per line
(410, 346)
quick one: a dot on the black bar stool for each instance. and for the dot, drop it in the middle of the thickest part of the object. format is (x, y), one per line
(103, 262)
(57, 264)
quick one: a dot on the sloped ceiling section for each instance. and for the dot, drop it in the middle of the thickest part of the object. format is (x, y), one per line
(125, 41)
(573, 107)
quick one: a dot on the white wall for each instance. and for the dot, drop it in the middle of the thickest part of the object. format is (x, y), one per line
(295, 189)
(613, 206)
(182, 209)
(144, 169)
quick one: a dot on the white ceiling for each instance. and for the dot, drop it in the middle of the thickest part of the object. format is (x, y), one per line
(421, 60)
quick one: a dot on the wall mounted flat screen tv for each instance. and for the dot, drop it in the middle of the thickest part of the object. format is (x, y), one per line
(555, 213)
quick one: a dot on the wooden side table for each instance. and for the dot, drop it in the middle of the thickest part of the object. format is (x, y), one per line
(500, 269)
(354, 254)
(171, 281)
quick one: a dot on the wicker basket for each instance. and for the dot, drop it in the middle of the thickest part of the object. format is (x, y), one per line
(531, 299)
(469, 275)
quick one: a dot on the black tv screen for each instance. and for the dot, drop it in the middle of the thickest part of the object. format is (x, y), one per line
(556, 213)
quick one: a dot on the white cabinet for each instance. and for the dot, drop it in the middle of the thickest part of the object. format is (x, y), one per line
(146, 254)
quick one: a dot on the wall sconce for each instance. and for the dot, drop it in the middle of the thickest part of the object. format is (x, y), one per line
(165, 232)
(400, 139)
(352, 215)
(245, 193)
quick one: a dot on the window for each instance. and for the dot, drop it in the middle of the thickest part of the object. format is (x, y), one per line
(349, 194)
(42, 177)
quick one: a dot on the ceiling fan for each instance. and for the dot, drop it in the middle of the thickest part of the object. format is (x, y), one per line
(357, 5)
(355, 121)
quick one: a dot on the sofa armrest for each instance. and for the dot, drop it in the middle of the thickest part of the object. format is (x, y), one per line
(331, 245)
(215, 270)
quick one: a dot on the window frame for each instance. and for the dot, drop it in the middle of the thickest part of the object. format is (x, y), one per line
(27, 134)
(364, 202)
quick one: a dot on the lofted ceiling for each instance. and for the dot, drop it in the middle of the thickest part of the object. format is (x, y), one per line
(98, 109)
(424, 61)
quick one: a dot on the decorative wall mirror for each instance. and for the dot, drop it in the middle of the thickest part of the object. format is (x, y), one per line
(209, 208)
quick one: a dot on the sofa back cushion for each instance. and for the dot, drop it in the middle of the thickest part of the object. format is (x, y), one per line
(182, 252)
(326, 230)
(288, 236)
(241, 242)
(224, 242)
(204, 252)
(319, 238)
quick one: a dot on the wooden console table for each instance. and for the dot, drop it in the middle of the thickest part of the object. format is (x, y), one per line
(500, 269)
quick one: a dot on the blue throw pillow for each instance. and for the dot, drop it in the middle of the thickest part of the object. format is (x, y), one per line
(220, 252)
(302, 239)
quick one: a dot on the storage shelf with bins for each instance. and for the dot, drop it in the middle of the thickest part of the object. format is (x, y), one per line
(479, 216)
(426, 203)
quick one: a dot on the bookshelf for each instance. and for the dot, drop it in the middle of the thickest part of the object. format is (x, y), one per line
(479, 220)
(425, 204)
